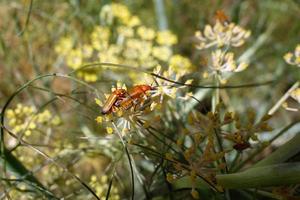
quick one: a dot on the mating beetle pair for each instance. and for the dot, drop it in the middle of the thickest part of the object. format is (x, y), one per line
(121, 98)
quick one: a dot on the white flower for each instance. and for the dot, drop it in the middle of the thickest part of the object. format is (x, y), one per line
(224, 62)
(221, 35)
(165, 88)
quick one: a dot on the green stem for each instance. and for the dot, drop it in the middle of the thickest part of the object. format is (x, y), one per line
(185, 182)
(129, 159)
(234, 162)
(215, 102)
(216, 95)
(283, 153)
(271, 175)
(283, 98)
(161, 15)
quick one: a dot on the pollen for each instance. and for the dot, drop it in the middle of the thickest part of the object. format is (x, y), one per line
(99, 119)
(109, 130)
(98, 102)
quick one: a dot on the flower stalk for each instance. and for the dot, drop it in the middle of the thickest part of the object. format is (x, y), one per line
(216, 96)
(265, 176)
(283, 98)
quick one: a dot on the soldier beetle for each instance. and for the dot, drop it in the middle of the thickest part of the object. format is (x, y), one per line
(125, 99)
(139, 91)
(222, 17)
(113, 100)
(135, 96)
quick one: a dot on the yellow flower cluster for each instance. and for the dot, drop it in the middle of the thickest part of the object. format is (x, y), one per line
(166, 38)
(293, 58)
(64, 46)
(121, 39)
(100, 185)
(180, 64)
(25, 119)
(117, 11)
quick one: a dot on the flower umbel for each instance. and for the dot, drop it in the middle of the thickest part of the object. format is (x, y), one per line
(164, 88)
(293, 58)
(125, 109)
(224, 62)
(221, 35)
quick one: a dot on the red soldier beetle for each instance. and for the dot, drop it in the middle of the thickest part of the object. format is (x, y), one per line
(112, 100)
(135, 96)
(125, 99)
(222, 17)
